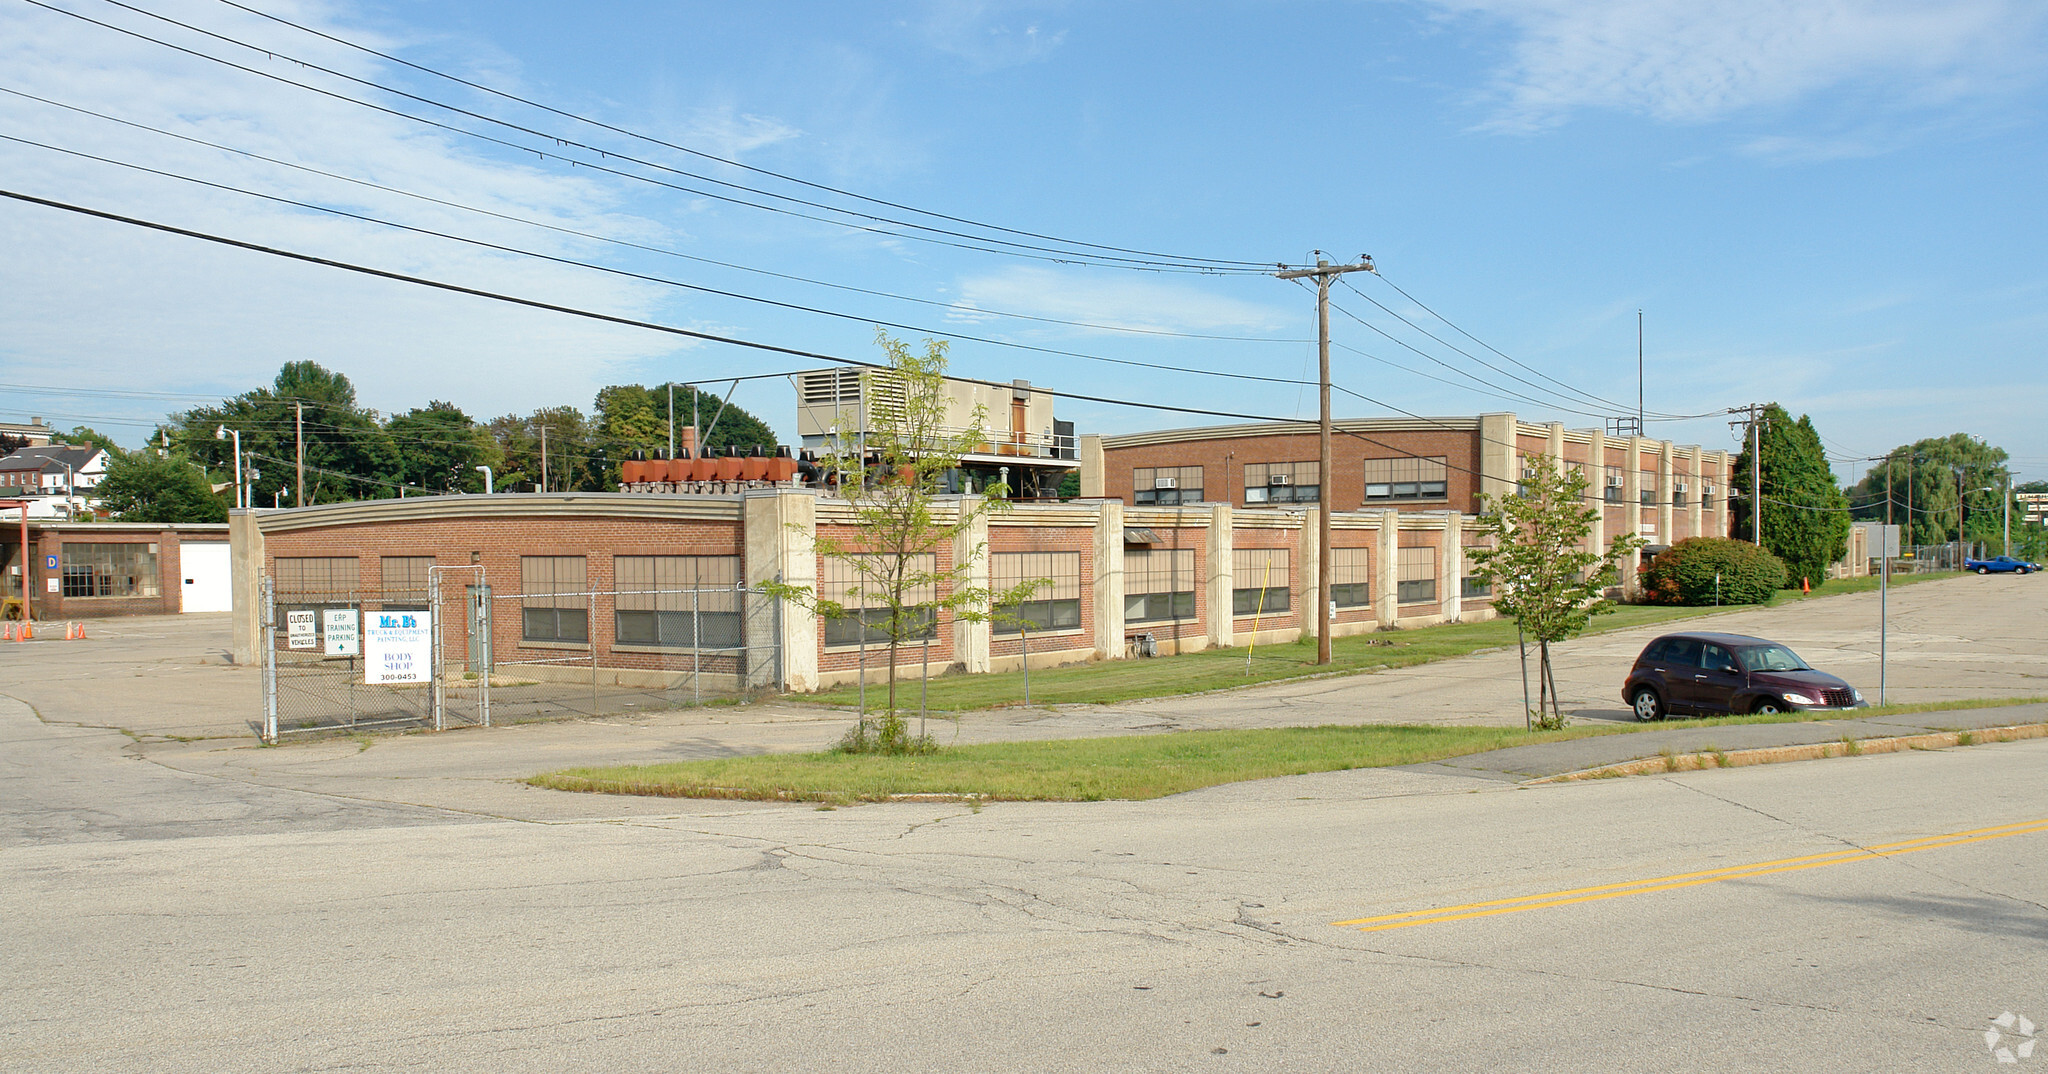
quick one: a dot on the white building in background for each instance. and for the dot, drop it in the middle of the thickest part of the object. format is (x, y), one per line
(58, 480)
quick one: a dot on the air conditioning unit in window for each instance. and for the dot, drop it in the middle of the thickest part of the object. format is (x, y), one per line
(1165, 483)
(1680, 486)
(1614, 481)
(1528, 470)
(1280, 479)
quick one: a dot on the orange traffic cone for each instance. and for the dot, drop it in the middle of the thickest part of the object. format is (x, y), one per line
(81, 632)
(1805, 587)
(7, 632)
(28, 631)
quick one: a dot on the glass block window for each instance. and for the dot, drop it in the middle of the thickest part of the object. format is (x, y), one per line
(405, 582)
(556, 607)
(678, 602)
(1159, 583)
(1351, 577)
(1165, 486)
(110, 570)
(324, 576)
(1050, 607)
(1418, 575)
(864, 598)
(1407, 479)
(1282, 482)
(1261, 581)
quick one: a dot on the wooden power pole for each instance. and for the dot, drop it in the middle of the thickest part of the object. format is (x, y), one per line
(1323, 273)
(299, 434)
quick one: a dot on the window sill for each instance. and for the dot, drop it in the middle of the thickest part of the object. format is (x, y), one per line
(636, 647)
(1065, 632)
(907, 643)
(578, 646)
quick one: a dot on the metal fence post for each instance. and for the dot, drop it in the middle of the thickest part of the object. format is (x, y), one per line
(440, 664)
(269, 661)
(480, 621)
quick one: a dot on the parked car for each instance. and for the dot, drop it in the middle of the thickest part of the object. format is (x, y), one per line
(1714, 674)
(2000, 565)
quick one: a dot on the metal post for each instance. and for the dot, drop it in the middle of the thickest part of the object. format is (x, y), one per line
(482, 624)
(1024, 635)
(439, 665)
(1884, 595)
(269, 658)
(924, 685)
(696, 646)
(1522, 644)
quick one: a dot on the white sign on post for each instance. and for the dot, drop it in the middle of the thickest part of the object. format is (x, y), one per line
(300, 629)
(1887, 542)
(397, 646)
(343, 638)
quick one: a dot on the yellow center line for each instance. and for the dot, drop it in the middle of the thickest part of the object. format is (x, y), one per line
(1568, 897)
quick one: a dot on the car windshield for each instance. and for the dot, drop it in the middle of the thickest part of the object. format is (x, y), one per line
(1772, 658)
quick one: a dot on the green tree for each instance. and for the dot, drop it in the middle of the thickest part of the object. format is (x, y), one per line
(898, 525)
(1542, 575)
(1931, 488)
(348, 454)
(1805, 514)
(86, 436)
(142, 487)
(576, 462)
(439, 448)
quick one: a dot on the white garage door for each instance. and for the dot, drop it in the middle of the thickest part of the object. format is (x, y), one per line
(206, 587)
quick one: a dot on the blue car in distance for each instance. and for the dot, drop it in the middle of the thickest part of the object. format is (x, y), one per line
(2000, 565)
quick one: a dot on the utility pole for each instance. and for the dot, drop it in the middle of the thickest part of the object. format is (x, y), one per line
(1639, 372)
(1323, 273)
(1755, 412)
(671, 419)
(299, 432)
(543, 455)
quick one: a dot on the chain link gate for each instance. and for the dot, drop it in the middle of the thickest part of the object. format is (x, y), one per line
(495, 658)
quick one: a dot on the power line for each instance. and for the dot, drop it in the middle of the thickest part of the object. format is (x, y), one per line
(639, 276)
(629, 244)
(713, 157)
(1013, 249)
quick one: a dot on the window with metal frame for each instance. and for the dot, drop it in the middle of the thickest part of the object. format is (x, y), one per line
(1351, 577)
(1646, 492)
(1282, 482)
(109, 570)
(1407, 478)
(1052, 607)
(1261, 581)
(312, 583)
(555, 604)
(1159, 584)
(405, 582)
(1165, 486)
(677, 602)
(1469, 587)
(1417, 583)
(1611, 484)
(867, 613)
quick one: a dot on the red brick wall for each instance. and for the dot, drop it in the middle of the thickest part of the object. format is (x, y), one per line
(1049, 539)
(849, 658)
(1263, 537)
(1223, 461)
(169, 568)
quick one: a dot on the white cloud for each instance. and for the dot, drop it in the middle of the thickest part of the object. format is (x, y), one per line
(990, 34)
(1114, 301)
(1687, 61)
(100, 304)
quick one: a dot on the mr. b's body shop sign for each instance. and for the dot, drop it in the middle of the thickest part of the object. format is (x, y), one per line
(397, 646)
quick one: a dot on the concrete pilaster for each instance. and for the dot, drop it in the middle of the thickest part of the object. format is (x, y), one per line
(1596, 489)
(1306, 590)
(1093, 479)
(1553, 446)
(245, 585)
(1450, 560)
(1665, 534)
(1498, 472)
(1632, 513)
(1107, 591)
(970, 549)
(781, 530)
(1218, 627)
(1717, 464)
(1386, 570)
(1695, 487)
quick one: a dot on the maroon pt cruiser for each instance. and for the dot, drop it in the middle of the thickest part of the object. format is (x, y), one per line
(1715, 674)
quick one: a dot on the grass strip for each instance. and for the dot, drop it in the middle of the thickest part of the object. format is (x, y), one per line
(1127, 767)
(1110, 681)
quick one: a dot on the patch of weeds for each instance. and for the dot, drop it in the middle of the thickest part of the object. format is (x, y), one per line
(1720, 756)
(1966, 738)
(1670, 759)
(1852, 746)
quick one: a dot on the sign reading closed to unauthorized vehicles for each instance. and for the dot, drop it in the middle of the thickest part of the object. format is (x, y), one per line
(397, 646)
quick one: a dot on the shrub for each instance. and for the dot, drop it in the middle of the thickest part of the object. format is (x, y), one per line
(1684, 573)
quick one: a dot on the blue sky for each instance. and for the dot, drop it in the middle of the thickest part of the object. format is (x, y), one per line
(1832, 205)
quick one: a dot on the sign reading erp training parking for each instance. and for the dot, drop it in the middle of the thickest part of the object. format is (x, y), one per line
(338, 625)
(397, 646)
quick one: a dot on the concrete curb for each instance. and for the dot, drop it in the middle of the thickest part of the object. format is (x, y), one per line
(1847, 747)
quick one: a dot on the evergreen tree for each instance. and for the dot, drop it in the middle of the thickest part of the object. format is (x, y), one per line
(1805, 515)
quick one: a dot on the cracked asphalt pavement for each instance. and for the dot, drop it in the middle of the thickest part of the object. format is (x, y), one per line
(400, 903)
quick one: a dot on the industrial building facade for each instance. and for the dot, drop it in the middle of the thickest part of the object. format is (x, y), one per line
(588, 573)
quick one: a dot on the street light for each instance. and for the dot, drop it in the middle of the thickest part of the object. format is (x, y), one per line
(486, 471)
(222, 433)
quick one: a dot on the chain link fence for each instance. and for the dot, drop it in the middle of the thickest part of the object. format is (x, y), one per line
(450, 652)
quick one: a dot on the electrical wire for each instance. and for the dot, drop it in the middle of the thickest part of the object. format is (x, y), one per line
(1007, 247)
(629, 244)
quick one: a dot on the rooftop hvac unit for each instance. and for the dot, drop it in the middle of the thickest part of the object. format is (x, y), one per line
(1165, 483)
(1280, 479)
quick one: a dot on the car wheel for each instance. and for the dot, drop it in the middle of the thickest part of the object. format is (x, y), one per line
(1647, 704)
(1769, 706)
(1983, 570)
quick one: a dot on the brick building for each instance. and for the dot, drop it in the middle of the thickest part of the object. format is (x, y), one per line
(85, 570)
(580, 575)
